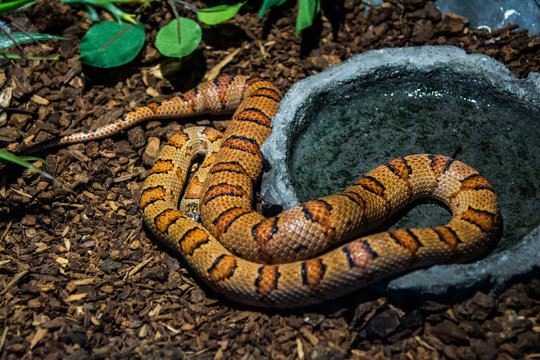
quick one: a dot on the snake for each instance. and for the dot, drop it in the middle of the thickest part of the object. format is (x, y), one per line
(312, 252)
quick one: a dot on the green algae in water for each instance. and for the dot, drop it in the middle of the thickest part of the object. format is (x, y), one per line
(498, 135)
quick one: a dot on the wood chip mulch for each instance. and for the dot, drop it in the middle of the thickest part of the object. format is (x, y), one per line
(81, 278)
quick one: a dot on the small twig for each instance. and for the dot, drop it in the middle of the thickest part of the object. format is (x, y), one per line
(187, 6)
(22, 193)
(14, 41)
(214, 72)
(13, 281)
(6, 231)
(138, 267)
(3, 338)
(27, 34)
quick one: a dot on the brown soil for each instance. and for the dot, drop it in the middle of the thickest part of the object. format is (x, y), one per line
(80, 277)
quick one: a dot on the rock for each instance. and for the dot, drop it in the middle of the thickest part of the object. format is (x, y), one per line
(295, 322)
(10, 134)
(92, 150)
(28, 220)
(472, 328)
(422, 31)
(197, 295)
(5, 93)
(109, 265)
(151, 152)
(451, 352)
(466, 353)
(492, 326)
(412, 319)
(383, 324)
(485, 350)
(452, 23)
(324, 350)
(480, 306)
(174, 280)
(528, 342)
(123, 147)
(136, 137)
(514, 298)
(158, 273)
(513, 325)
(313, 319)
(19, 120)
(450, 333)
(331, 96)
(432, 12)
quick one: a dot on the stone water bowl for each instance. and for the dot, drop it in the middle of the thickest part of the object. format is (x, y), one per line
(335, 126)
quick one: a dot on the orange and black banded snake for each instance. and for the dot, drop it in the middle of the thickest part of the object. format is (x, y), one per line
(298, 257)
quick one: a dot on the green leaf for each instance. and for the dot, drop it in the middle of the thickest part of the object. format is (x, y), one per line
(92, 13)
(307, 9)
(267, 4)
(118, 14)
(12, 6)
(7, 43)
(108, 5)
(6, 157)
(109, 44)
(217, 14)
(170, 44)
(19, 56)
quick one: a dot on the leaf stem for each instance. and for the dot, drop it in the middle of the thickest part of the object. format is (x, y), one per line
(120, 33)
(177, 16)
(187, 6)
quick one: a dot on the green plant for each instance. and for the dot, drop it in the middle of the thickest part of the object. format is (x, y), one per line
(109, 44)
(307, 9)
(10, 40)
(9, 7)
(7, 157)
(114, 43)
(108, 5)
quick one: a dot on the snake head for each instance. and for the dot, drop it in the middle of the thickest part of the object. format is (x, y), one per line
(192, 212)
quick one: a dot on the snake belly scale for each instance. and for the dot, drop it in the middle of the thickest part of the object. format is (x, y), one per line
(277, 262)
